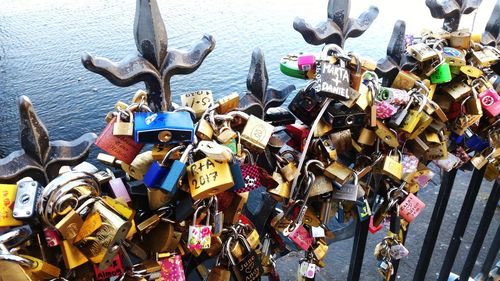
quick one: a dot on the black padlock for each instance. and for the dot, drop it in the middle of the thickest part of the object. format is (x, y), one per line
(306, 104)
(248, 268)
(342, 117)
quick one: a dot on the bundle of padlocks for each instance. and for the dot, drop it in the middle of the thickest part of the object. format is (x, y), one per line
(356, 148)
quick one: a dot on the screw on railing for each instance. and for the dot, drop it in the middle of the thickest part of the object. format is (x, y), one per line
(461, 224)
(482, 229)
(437, 216)
(156, 63)
(490, 36)
(39, 157)
(451, 11)
(338, 26)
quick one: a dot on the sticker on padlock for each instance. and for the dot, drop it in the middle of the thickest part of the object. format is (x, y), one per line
(411, 207)
(307, 269)
(7, 199)
(115, 269)
(251, 176)
(398, 251)
(301, 237)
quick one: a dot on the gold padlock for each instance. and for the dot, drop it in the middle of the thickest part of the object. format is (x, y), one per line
(388, 136)
(256, 133)
(228, 103)
(320, 250)
(219, 273)
(8, 197)
(338, 172)
(413, 117)
(492, 171)
(311, 218)
(422, 52)
(138, 168)
(367, 137)
(159, 151)
(457, 90)
(486, 57)
(43, 269)
(392, 167)
(226, 134)
(424, 122)
(204, 131)
(282, 191)
(232, 213)
(157, 197)
(287, 168)
(208, 177)
(71, 255)
(321, 185)
(122, 128)
(70, 225)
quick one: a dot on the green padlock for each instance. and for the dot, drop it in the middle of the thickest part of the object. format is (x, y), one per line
(290, 67)
(442, 74)
(233, 145)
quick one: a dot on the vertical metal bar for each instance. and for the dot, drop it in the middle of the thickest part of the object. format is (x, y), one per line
(434, 225)
(359, 243)
(490, 257)
(461, 224)
(482, 229)
(395, 264)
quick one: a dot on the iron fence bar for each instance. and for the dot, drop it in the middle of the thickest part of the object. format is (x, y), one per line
(461, 224)
(360, 236)
(434, 225)
(482, 229)
(395, 264)
(490, 257)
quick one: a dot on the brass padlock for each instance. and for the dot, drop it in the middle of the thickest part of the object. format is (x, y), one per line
(139, 166)
(404, 80)
(208, 177)
(256, 133)
(199, 101)
(227, 103)
(204, 130)
(42, 269)
(321, 185)
(70, 225)
(388, 136)
(219, 273)
(424, 122)
(460, 39)
(367, 137)
(287, 168)
(122, 128)
(481, 159)
(226, 134)
(413, 117)
(232, 213)
(392, 167)
(422, 52)
(457, 90)
(338, 172)
(282, 191)
(157, 197)
(486, 57)
(71, 255)
(320, 249)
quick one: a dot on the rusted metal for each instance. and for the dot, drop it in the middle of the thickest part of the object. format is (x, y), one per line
(338, 26)
(156, 63)
(451, 11)
(39, 157)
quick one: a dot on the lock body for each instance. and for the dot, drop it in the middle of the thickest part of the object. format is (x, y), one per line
(163, 127)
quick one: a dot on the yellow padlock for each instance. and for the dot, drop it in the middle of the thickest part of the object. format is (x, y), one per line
(43, 269)
(413, 117)
(7, 199)
(208, 177)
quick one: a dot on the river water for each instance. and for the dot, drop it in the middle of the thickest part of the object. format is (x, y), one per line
(41, 43)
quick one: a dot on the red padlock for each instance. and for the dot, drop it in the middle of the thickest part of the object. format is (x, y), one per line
(301, 237)
(372, 228)
(115, 269)
(299, 134)
(411, 207)
(124, 148)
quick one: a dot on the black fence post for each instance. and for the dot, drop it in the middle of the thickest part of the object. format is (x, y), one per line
(434, 225)
(490, 257)
(461, 224)
(482, 229)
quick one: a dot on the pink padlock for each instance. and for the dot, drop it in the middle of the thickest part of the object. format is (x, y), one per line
(172, 269)
(115, 269)
(411, 207)
(306, 62)
(385, 110)
(372, 228)
(490, 102)
(301, 237)
(118, 187)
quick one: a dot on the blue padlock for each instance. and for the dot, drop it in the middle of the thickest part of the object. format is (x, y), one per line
(476, 143)
(456, 138)
(176, 172)
(158, 171)
(163, 127)
(239, 181)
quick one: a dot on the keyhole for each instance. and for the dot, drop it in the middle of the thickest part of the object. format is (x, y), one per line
(25, 199)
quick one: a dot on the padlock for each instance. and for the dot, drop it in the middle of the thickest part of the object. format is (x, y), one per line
(214, 151)
(442, 74)
(481, 159)
(398, 118)
(227, 103)
(460, 39)
(176, 172)
(219, 273)
(328, 73)
(162, 238)
(114, 269)
(122, 128)
(232, 213)
(424, 122)
(338, 172)
(367, 137)
(289, 66)
(413, 117)
(320, 249)
(158, 171)
(226, 134)
(457, 90)
(307, 269)
(124, 148)
(70, 225)
(199, 101)
(250, 174)
(208, 177)
(453, 57)
(118, 188)
(250, 267)
(256, 133)
(321, 185)
(42, 269)
(411, 207)
(163, 127)
(490, 100)
(172, 268)
(347, 191)
(27, 195)
(199, 235)
(485, 56)
(282, 191)
(51, 236)
(363, 208)
(388, 136)
(287, 168)
(298, 134)
(342, 117)
(422, 52)
(306, 104)
(404, 80)
(204, 130)
(306, 62)
(71, 255)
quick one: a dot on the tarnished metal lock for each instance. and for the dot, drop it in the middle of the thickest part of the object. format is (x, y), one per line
(199, 235)
(332, 80)
(367, 137)
(411, 207)
(413, 117)
(227, 103)
(486, 57)
(321, 185)
(232, 213)
(124, 148)
(287, 168)
(139, 166)
(457, 90)
(404, 80)
(422, 52)
(256, 133)
(226, 134)
(208, 177)
(162, 238)
(490, 100)
(70, 225)
(250, 267)
(219, 273)
(306, 104)
(460, 39)
(199, 101)
(163, 127)
(123, 128)
(347, 191)
(338, 172)
(26, 196)
(282, 191)
(172, 268)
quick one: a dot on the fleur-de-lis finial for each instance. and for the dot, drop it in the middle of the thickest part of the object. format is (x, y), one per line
(490, 36)
(259, 98)
(155, 64)
(451, 11)
(39, 157)
(338, 26)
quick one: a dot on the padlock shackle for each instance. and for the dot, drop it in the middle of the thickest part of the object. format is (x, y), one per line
(170, 153)
(195, 216)
(18, 259)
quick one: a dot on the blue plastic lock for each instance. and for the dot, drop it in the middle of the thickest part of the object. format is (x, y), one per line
(158, 171)
(176, 172)
(476, 143)
(163, 127)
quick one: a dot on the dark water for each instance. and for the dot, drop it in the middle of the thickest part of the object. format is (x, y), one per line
(41, 43)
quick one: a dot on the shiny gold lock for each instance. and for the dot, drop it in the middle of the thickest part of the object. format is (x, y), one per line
(226, 135)
(253, 239)
(70, 225)
(311, 218)
(386, 135)
(282, 191)
(460, 39)
(256, 133)
(120, 207)
(338, 172)
(199, 101)
(481, 159)
(71, 255)
(367, 137)
(92, 222)
(392, 167)
(140, 96)
(413, 117)
(287, 169)
(424, 122)
(457, 90)
(422, 52)
(43, 269)
(208, 177)
(123, 128)
(404, 80)
(320, 250)
(8, 197)
(138, 168)
(204, 130)
(364, 97)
